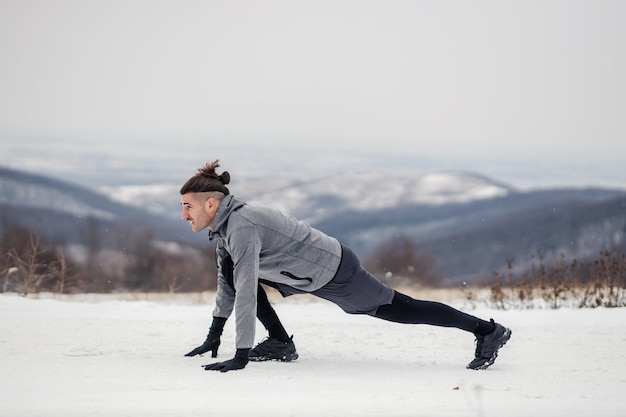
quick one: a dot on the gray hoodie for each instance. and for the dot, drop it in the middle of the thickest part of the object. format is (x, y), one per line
(265, 243)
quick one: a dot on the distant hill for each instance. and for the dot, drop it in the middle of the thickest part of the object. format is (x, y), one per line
(524, 227)
(62, 212)
(469, 223)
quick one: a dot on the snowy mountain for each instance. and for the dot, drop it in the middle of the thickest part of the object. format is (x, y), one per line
(61, 211)
(573, 224)
(322, 198)
(468, 223)
(21, 189)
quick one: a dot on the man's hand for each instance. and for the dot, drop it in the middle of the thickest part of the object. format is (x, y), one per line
(238, 362)
(212, 343)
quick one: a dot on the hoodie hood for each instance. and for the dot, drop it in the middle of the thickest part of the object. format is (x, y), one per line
(229, 204)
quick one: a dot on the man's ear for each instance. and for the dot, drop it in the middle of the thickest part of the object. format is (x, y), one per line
(211, 204)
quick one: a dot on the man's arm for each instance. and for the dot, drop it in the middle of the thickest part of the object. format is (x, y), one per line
(245, 255)
(224, 302)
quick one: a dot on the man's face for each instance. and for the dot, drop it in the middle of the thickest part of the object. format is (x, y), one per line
(198, 210)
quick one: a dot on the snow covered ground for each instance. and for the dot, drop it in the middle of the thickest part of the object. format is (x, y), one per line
(101, 356)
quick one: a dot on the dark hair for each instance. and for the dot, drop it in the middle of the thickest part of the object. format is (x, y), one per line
(207, 180)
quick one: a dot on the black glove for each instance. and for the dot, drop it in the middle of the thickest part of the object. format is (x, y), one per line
(238, 362)
(212, 342)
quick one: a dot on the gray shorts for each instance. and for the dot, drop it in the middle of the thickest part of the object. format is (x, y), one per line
(353, 289)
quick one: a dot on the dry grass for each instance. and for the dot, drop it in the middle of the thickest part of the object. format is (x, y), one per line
(553, 287)
(599, 283)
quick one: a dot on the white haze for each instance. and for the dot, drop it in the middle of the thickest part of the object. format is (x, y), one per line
(130, 92)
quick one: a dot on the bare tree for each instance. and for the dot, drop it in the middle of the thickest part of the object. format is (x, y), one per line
(90, 236)
(403, 262)
(33, 269)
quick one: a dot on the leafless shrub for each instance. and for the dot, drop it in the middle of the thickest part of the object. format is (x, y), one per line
(28, 265)
(32, 265)
(498, 296)
(597, 283)
(607, 288)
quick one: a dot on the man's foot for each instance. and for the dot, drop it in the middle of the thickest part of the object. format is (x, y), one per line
(274, 350)
(487, 347)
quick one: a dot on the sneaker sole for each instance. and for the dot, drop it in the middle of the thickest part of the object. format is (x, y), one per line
(280, 358)
(505, 338)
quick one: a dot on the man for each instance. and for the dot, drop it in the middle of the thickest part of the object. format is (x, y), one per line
(267, 245)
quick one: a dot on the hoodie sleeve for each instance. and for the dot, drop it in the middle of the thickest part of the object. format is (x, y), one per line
(245, 245)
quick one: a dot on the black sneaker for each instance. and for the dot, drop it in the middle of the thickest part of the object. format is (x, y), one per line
(487, 347)
(274, 350)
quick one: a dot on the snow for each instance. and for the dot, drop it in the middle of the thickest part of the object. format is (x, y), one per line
(104, 356)
(160, 198)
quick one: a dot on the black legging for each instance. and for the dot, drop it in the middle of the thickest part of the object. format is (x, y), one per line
(264, 310)
(404, 309)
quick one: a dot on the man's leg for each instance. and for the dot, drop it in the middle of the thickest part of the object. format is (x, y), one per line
(357, 291)
(404, 309)
(268, 317)
(490, 336)
(278, 345)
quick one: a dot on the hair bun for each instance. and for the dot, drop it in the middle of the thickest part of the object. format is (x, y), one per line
(225, 177)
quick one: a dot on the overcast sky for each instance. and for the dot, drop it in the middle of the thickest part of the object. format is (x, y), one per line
(476, 83)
